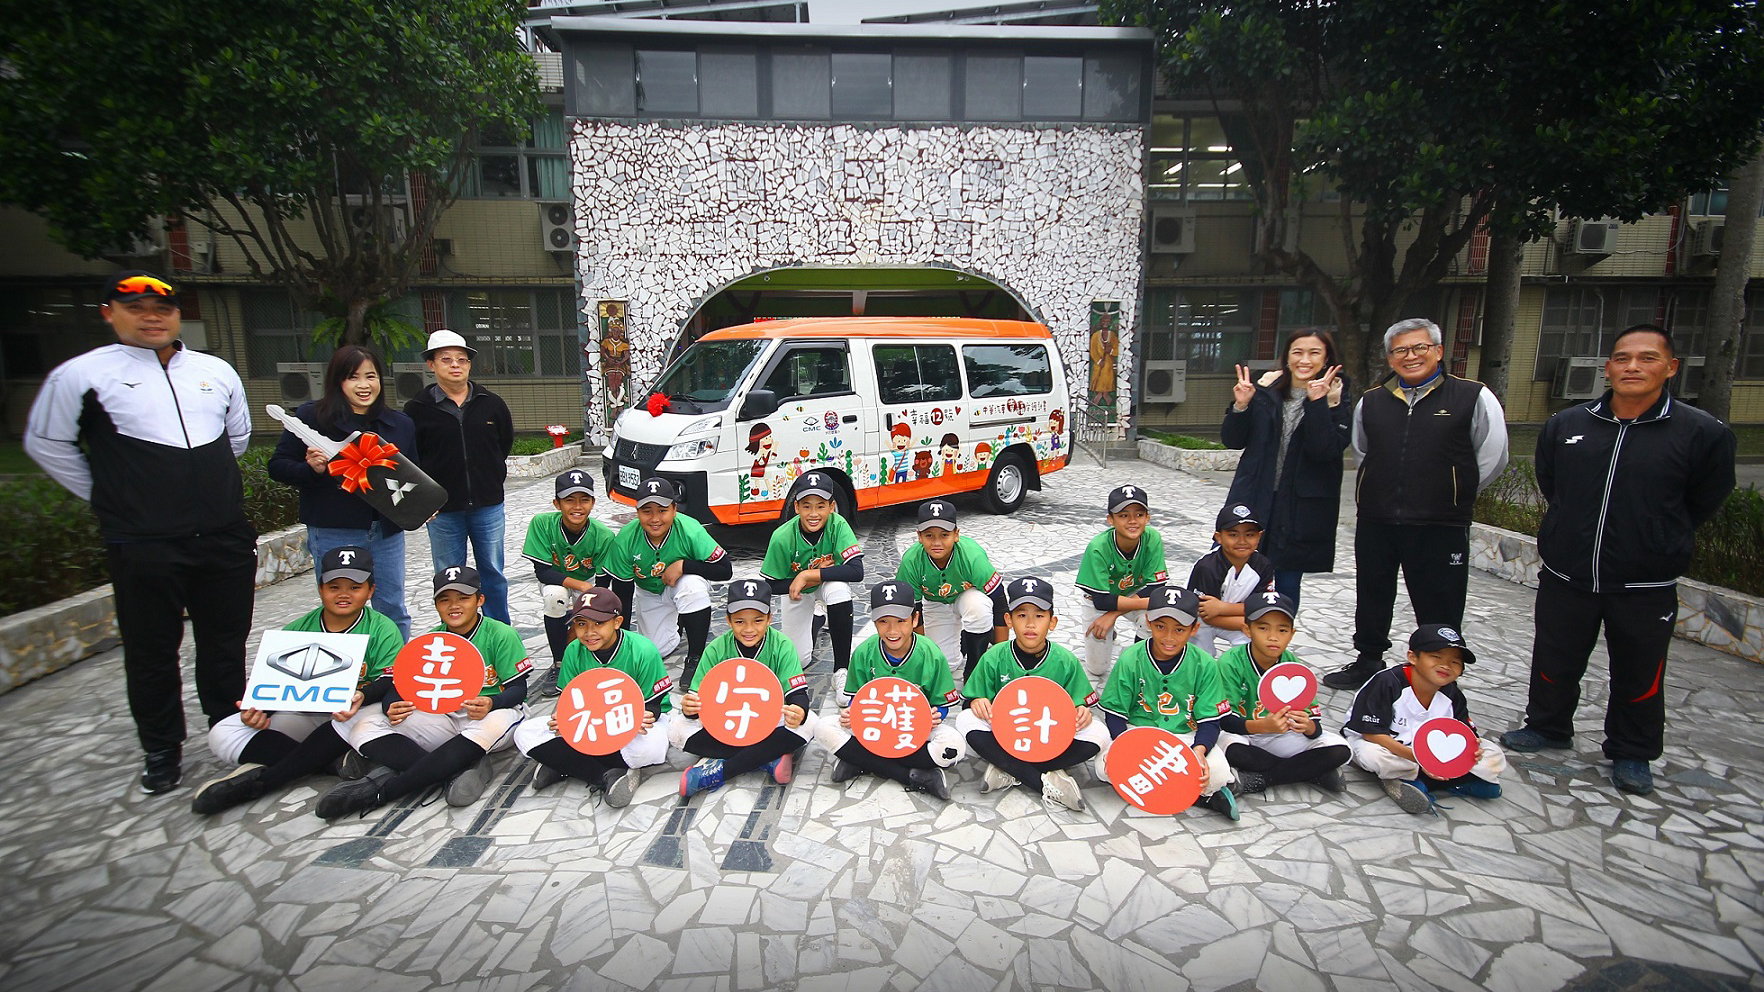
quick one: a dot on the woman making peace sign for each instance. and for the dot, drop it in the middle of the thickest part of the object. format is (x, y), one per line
(1292, 428)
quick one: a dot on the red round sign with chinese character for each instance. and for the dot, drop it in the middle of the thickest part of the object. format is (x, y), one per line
(890, 717)
(1446, 748)
(1154, 771)
(600, 711)
(1033, 718)
(1287, 685)
(438, 672)
(740, 702)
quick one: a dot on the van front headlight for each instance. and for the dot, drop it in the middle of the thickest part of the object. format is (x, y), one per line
(692, 449)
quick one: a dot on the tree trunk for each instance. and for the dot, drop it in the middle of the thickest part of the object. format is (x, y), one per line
(1727, 305)
(355, 330)
(1505, 253)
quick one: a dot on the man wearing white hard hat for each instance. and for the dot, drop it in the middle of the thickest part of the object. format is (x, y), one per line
(464, 432)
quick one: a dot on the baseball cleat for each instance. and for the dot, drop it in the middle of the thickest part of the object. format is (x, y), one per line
(241, 785)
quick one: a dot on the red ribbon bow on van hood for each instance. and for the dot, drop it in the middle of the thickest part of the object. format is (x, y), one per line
(359, 455)
(657, 405)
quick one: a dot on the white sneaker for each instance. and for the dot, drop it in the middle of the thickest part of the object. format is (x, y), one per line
(997, 778)
(1059, 787)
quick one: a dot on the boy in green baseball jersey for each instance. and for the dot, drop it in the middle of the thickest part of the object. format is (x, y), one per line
(1288, 745)
(275, 749)
(425, 749)
(596, 617)
(749, 606)
(815, 557)
(1167, 682)
(1031, 618)
(569, 551)
(672, 560)
(962, 595)
(1121, 569)
(897, 651)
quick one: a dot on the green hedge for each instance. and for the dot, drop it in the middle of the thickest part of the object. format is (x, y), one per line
(1183, 441)
(1730, 547)
(52, 537)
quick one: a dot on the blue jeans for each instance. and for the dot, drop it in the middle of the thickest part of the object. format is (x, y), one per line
(387, 547)
(1286, 583)
(448, 534)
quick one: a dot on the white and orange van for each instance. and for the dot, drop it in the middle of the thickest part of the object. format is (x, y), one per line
(897, 409)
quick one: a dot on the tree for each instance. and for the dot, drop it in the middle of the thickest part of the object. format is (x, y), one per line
(1727, 302)
(324, 137)
(1432, 118)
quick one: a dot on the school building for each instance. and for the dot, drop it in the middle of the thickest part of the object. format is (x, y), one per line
(711, 162)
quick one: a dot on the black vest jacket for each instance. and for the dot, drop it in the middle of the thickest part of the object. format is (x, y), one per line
(1420, 464)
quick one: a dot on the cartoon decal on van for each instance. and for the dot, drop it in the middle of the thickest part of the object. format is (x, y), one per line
(900, 437)
(950, 448)
(761, 446)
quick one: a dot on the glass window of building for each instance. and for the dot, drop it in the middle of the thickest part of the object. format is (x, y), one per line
(1581, 322)
(1212, 329)
(530, 166)
(802, 85)
(993, 89)
(728, 82)
(517, 332)
(1191, 160)
(1751, 344)
(863, 86)
(41, 327)
(667, 83)
(1053, 87)
(276, 331)
(924, 85)
(1112, 87)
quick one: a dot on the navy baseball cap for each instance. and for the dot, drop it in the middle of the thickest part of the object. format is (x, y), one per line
(574, 481)
(814, 484)
(1125, 496)
(350, 562)
(893, 598)
(750, 594)
(937, 513)
(1263, 603)
(1175, 602)
(1036, 592)
(657, 491)
(1437, 636)
(1234, 514)
(464, 578)
(598, 604)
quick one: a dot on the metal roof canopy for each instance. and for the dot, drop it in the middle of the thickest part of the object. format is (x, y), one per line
(604, 25)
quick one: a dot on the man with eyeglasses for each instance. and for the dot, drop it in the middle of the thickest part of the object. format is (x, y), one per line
(1427, 443)
(465, 432)
(150, 433)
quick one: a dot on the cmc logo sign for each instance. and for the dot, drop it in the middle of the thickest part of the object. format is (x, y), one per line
(306, 672)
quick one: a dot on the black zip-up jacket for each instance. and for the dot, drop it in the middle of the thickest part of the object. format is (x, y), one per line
(465, 453)
(1626, 498)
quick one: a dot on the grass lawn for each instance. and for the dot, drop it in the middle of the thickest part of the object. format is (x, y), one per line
(14, 461)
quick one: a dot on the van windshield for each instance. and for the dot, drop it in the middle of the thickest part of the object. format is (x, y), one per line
(707, 375)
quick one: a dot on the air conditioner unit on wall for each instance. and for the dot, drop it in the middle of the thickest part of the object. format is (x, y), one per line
(1689, 380)
(1706, 237)
(1579, 379)
(1594, 237)
(1172, 230)
(134, 248)
(557, 226)
(301, 381)
(409, 379)
(1166, 381)
(391, 221)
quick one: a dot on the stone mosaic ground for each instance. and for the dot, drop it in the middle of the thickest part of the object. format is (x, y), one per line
(1562, 883)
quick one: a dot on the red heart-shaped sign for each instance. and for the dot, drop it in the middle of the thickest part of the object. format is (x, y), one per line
(1288, 684)
(1446, 748)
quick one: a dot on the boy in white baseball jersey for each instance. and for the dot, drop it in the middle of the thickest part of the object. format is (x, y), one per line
(569, 551)
(1225, 577)
(1121, 569)
(961, 595)
(672, 560)
(275, 749)
(1031, 618)
(815, 558)
(426, 749)
(1392, 706)
(897, 651)
(596, 617)
(1288, 745)
(750, 636)
(1168, 682)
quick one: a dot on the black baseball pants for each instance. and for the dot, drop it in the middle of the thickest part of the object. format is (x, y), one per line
(1638, 631)
(154, 582)
(1435, 561)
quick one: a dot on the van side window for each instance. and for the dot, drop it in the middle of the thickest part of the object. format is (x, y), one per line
(1007, 369)
(812, 371)
(920, 373)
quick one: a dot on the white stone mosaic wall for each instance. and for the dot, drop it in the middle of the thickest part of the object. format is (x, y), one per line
(668, 214)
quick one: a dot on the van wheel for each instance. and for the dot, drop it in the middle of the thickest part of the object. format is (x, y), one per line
(1007, 485)
(842, 498)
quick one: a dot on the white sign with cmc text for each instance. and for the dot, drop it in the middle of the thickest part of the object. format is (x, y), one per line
(305, 671)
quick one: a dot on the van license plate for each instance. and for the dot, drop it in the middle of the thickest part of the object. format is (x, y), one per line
(629, 477)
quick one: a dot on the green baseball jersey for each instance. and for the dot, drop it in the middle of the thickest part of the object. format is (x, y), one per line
(384, 640)
(924, 666)
(1241, 680)
(505, 657)
(775, 652)
(789, 552)
(968, 568)
(1104, 569)
(999, 665)
(1178, 702)
(633, 557)
(583, 558)
(635, 655)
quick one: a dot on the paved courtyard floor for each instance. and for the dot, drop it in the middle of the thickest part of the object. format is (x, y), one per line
(1561, 883)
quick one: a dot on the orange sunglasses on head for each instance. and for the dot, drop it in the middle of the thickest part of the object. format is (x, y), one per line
(143, 284)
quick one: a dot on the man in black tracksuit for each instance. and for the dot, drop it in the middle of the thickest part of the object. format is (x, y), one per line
(1427, 443)
(1629, 477)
